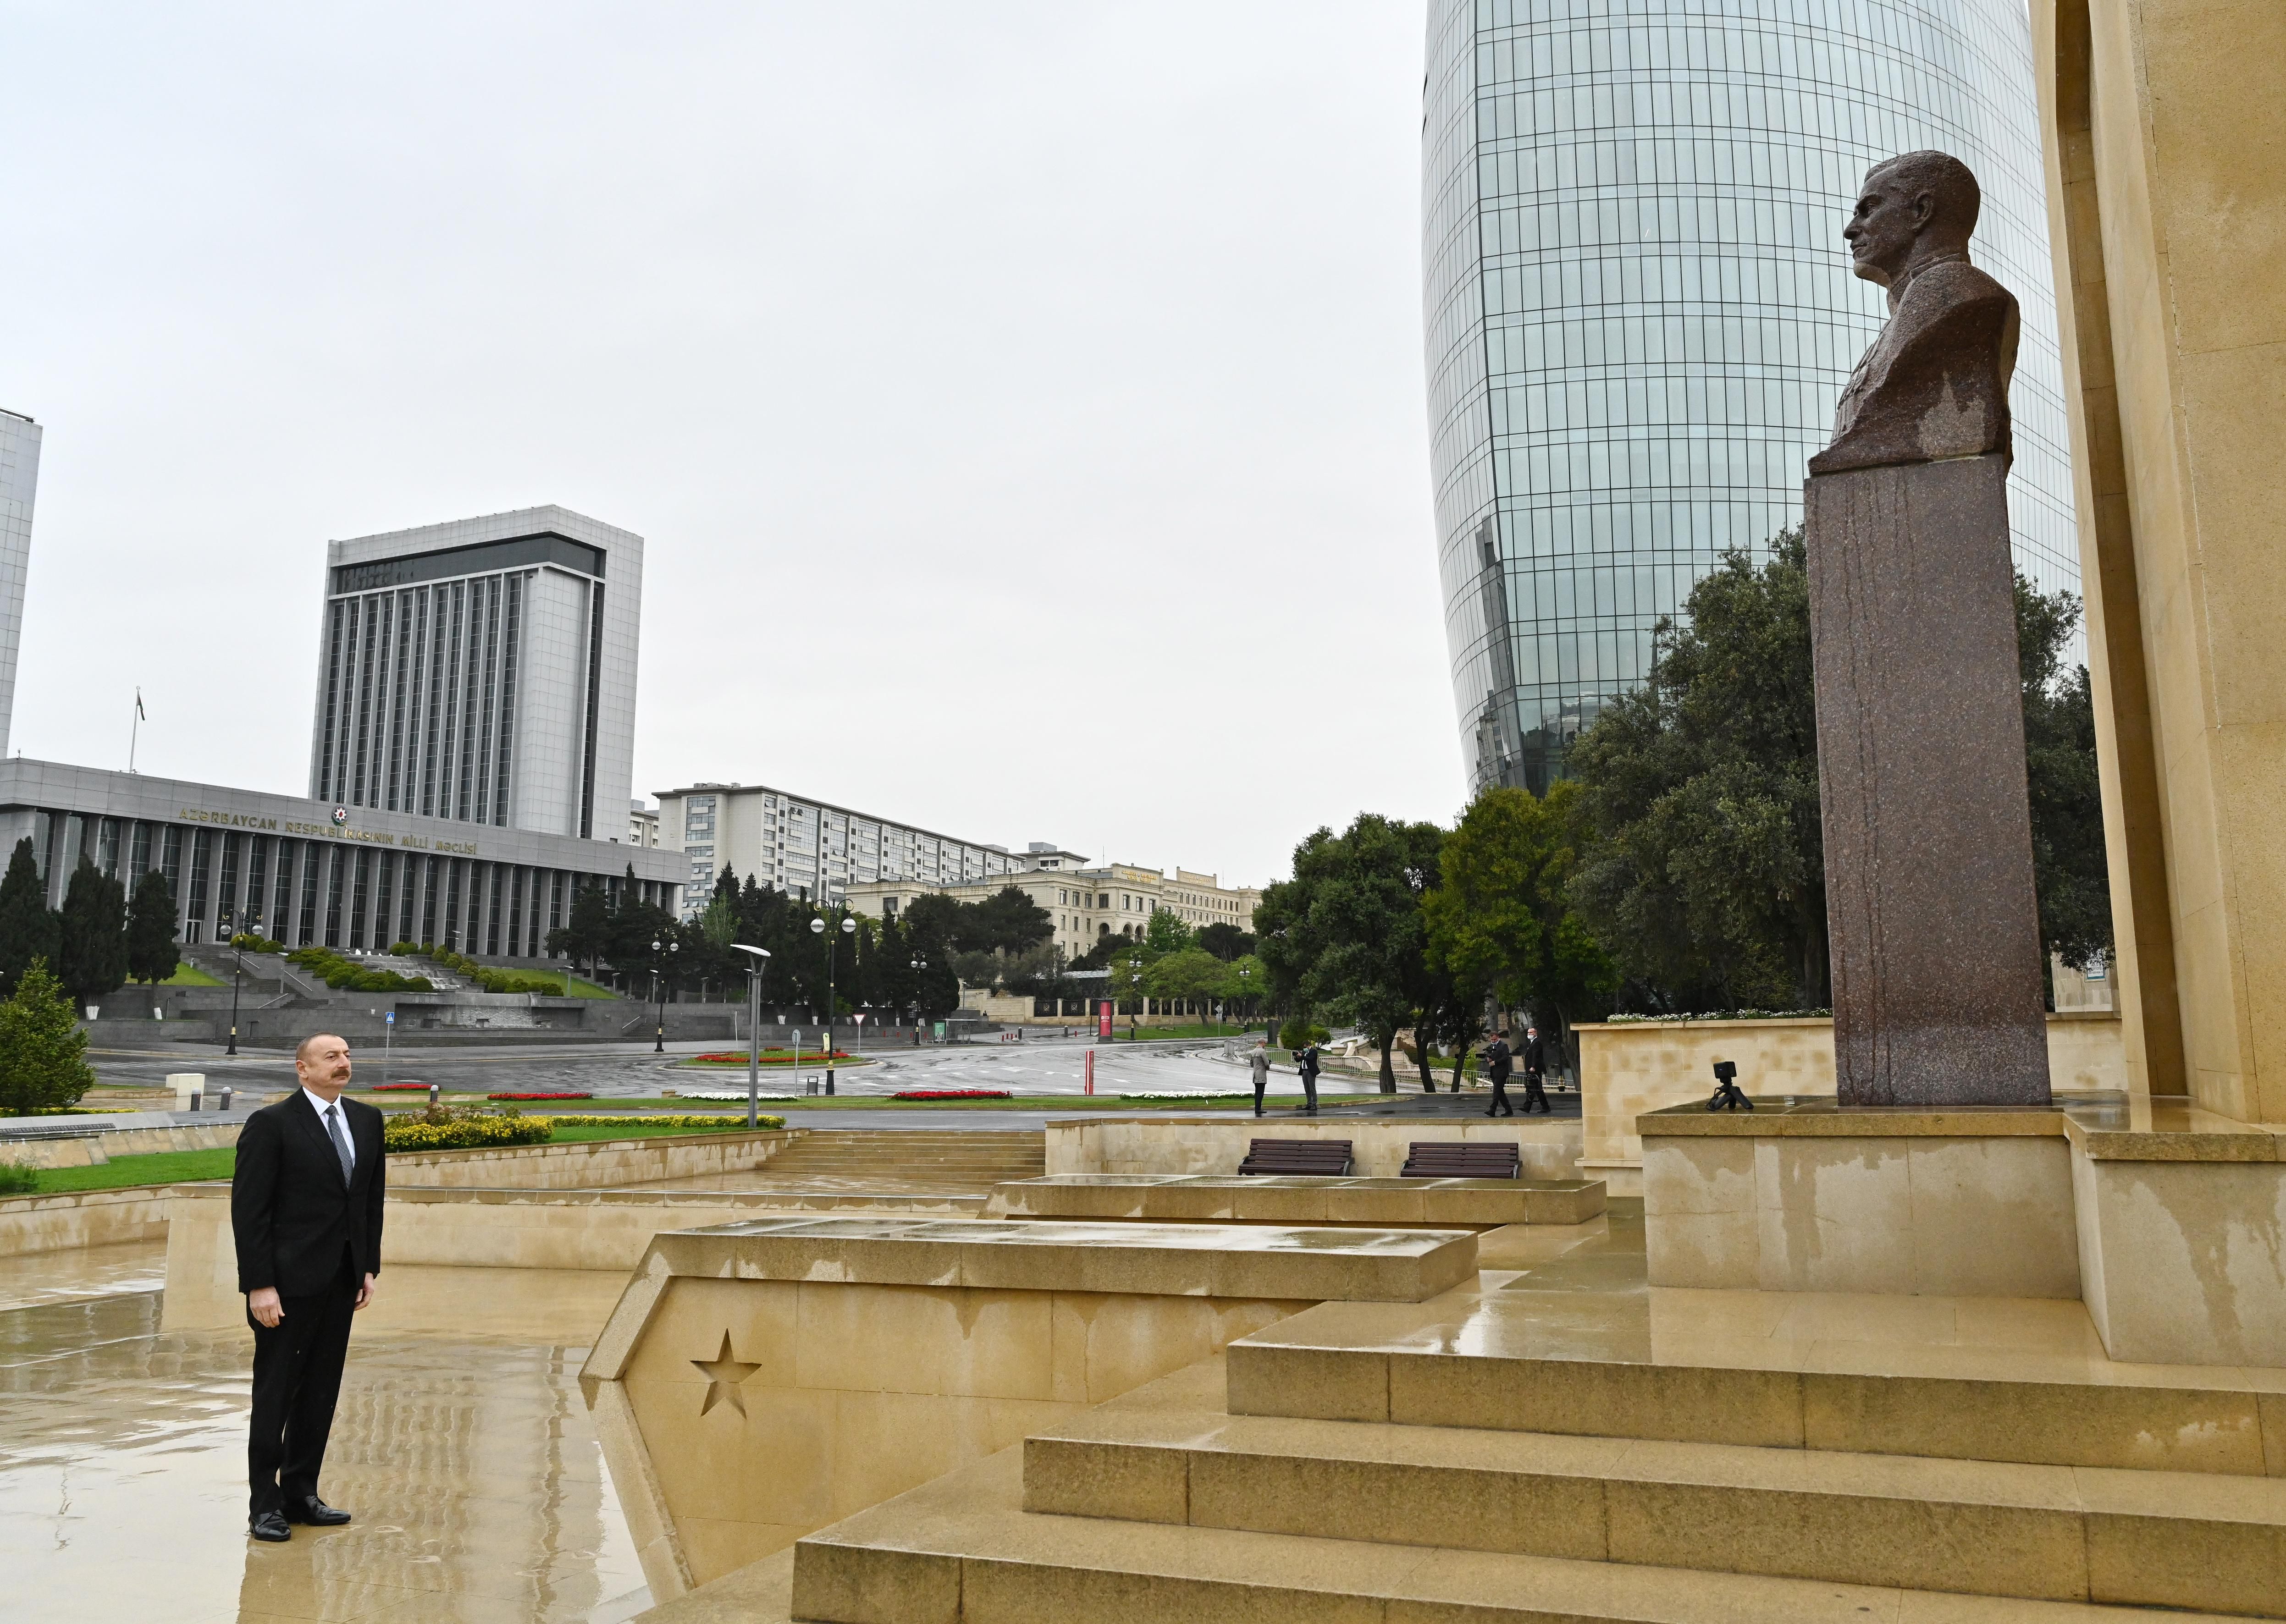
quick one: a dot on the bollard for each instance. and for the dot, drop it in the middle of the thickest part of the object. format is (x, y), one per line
(1091, 1071)
(224, 1106)
(434, 1089)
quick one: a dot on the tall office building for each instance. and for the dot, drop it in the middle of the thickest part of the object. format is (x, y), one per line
(20, 476)
(483, 672)
(1639, 312)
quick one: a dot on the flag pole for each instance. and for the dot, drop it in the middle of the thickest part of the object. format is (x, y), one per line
(135, 729)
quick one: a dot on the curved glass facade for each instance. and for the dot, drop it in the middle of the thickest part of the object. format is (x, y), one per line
(1639, 312)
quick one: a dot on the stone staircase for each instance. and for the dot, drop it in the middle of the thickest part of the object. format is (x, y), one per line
(903, 1161)
(1561, 1446)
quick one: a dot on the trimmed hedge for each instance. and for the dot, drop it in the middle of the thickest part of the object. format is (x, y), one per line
(346, 974)
(490, 980)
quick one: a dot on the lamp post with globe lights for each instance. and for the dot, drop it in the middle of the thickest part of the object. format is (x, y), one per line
(833, 949)
(658, 993)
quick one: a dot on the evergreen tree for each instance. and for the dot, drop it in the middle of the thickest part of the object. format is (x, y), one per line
(43, 1051)
(27, 925)
(151, 954)
(92, 959)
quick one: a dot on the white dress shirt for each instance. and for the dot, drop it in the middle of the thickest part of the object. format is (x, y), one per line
(324, 1105)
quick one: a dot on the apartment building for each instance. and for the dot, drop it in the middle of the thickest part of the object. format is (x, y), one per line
(811, 848)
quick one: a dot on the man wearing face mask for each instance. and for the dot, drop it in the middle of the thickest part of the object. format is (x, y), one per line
(305, 1208)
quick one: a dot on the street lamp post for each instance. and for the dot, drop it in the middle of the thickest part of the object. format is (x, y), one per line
(658, 993)
(238, 972)
(920, 968)
(832, 951)
(757, 960)
(1135, 976)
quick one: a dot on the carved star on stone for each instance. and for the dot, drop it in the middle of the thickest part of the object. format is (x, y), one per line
(724, 1374)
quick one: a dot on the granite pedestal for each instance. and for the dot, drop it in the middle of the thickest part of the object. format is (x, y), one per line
(1933, 927)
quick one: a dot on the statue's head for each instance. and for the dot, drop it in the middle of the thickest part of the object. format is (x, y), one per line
(1908, 209)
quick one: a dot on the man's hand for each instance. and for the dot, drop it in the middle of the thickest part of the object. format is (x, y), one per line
(365, 1292)
(263, 1304)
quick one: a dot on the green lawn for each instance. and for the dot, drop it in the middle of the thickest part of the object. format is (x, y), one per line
(162, 1167)
(188, 974)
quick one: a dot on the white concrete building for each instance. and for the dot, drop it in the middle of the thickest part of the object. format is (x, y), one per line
(643, 824)
(483, 670)
(810, 848)
(19, 478)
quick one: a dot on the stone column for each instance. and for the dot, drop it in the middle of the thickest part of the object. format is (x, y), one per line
(1935, 942)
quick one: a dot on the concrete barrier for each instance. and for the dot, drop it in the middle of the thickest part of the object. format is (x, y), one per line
(30, 1224)
(1550, 1147)
(1628, 1068)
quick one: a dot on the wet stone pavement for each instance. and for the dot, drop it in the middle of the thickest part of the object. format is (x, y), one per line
(478, 1489)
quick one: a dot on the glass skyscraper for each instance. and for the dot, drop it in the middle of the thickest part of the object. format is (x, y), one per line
(1639, 312)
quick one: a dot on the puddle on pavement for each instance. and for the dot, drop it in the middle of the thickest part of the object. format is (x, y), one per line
(479, 1489)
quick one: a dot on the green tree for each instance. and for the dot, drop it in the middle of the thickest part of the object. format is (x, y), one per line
(1346, 934)
(152, 953)
(1187, 973)
(1703, 869)
(586, 935)
(1501, 919)
(1225, 941)
(1166, 933)
(27, 925)
(1702, 857)
(1007, 921)
(2060, 775)
(43, 1050)
(92, 956)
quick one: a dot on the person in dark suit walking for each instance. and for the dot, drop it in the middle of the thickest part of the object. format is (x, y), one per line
(1306, 1058)
(305, 1209)
(1497, 1063)
(1535, 1064)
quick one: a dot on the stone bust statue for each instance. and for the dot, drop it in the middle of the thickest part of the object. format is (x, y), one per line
(1936, 383)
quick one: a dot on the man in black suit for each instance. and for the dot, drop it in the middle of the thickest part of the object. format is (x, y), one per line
(305, 1208)
(1497, 1060)
(1535, 1064)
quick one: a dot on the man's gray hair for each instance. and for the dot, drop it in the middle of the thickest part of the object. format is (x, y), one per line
(302, 1049)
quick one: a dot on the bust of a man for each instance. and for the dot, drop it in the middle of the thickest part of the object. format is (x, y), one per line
(1936, 383)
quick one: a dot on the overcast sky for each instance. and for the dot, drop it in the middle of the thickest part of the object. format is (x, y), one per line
(1021, 404)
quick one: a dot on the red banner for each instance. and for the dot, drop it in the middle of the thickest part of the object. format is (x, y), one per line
(1103, 1019)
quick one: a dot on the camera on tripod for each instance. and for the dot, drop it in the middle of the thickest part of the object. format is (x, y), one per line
(1726, 1094)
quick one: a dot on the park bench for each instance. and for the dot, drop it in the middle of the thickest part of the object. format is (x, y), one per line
(1304, 1156)
(1459, 1159)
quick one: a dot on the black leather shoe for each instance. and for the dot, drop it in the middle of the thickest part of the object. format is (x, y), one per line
(316, 1512)
(269, 1526)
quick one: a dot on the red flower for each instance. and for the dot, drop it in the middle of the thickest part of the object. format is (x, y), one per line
(540, 1096)
(954, 1093)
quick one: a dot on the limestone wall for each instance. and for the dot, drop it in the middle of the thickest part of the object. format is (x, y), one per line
(1633, 1067)
(590, 1164)
(1549, 1147)
(99, 1147)
(86, 1218)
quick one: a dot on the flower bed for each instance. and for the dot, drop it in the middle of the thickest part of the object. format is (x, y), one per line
(464, 1133)
(734, 1095)
(770, 1057)
(953, 1094)
(540, 1096)
(1194, 1093)
(719, 1121)
(395, 1088)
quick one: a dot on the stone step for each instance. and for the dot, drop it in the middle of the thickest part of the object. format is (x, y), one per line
(2148, 1539)
(963, 1548)
(1398, 1363)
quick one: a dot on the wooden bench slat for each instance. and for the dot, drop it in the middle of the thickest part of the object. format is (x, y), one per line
(1322, 1157)
(1460, 1159)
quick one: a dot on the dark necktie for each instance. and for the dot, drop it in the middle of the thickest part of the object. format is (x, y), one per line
(340, 1140)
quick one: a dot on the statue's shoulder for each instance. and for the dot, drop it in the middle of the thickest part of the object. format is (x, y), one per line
(1943, 291)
